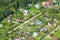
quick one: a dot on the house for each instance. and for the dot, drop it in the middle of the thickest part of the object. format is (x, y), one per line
(55, 19)
(30, 38)
(43, 3)
(39, 22)
(25, 12)
(55, 24)
(30, 5)
(46, 18)
(44, 29)
(9, 20)
(20, 33)
(1, 25)
(54, 1)
(23, 38)
(9, 17)
(35, 34)
(53, 38)
(16, 38)
(21, 10)
(49, 24)
(37, 6)
(47, 3)
(27, 33)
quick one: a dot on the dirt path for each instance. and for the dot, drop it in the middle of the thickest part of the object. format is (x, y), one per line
(51, 32)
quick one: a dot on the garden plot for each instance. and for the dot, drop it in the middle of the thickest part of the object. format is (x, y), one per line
(24, 14)
(7, 25)
(13, 21)
(36, 29)
(40, 26)
(54, 35)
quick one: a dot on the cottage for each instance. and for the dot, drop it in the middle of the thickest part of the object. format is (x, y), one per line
(35, 34)
(20, 33)
(55, 19)
(43, 3)
(47, 3)
(37, 6)
(44, 29)
(30, 5)
(25, 12)
(46, 18)
(30, 38)
(53, 38)
(21, 10)
(9, 17)
(9, 20)
(1, 25)
(54, 1)
(39, 22)
(17, 39)
(27, 33)
(23, 38)
(49, 23)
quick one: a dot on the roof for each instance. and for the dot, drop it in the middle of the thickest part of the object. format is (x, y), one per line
(35, 34)
(30, 5)
(21, 9)
(25, 12)
(37, 6)
(30, 39)
(39, 22)
(54, 1)
(47, 4)
(46, 18)
(55, 19)
(44, 29)
(9, 16)
(49, 23)
(53, 38)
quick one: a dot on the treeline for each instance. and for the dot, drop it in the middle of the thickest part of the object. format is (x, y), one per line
(8, 7)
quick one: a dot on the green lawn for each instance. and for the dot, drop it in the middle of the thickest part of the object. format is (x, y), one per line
(57, 34)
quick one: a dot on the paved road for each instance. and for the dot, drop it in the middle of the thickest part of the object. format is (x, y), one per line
(51, 32)
(26, 22)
